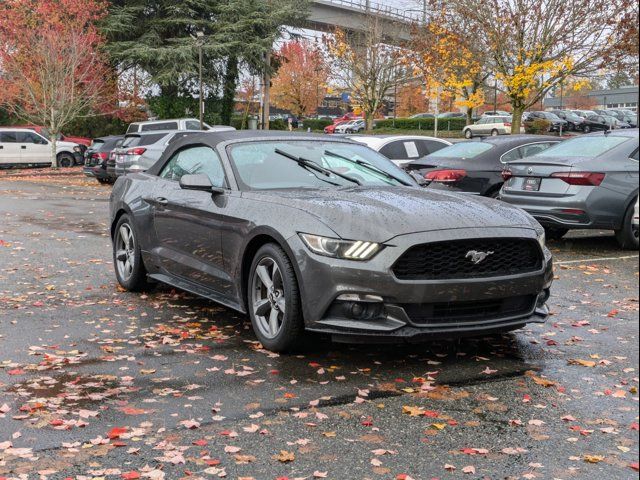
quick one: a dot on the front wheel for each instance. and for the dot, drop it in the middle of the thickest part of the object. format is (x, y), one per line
(274, 300)
(468, 134)
(65, 160)
(127, 258)
(494, 133)
(627, 236)
(586, 129)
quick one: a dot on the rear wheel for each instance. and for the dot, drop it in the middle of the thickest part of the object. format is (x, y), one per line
(274, 300)
(468, 133)
(555, 233)
(65, 160)
(586, 129)
(627, 236)
(494, 133)
(127, 258)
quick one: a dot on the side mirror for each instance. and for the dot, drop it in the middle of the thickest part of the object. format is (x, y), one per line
(199, 181)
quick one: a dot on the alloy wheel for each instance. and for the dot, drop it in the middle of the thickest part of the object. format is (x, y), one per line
(125, 251)
(268, 298)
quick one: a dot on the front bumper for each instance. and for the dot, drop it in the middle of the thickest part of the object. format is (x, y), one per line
(397, 304)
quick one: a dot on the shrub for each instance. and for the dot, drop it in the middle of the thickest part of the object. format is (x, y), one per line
(537, 126)
(422, 123)
(316, 123)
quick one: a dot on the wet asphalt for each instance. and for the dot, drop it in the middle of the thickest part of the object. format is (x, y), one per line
(191, 394)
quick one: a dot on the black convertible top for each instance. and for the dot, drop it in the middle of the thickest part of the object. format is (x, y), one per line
(213, 139)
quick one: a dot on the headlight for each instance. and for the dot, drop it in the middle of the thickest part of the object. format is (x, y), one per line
(76, 149)
(347, 249)
(542, 239)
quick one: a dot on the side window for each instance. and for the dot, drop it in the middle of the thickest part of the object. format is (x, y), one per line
(195, 160)
(511, 155)
(425, 147)
(192, 125)
(8, 137)
(30, 137)
(159, 126)
(634, 155)
(394, 151)
(532, 149)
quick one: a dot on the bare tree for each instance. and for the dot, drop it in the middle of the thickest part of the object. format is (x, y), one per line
(366, 64)
(535, 44)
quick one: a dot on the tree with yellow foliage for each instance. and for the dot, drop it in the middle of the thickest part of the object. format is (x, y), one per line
(450, 60)
(535, 44)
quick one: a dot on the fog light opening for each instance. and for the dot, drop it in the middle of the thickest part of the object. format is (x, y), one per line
(543, 297)
(363, 310)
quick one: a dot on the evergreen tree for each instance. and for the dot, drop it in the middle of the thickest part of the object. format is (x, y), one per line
(157, 36)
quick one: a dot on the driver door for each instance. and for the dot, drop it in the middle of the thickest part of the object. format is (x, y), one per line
(33, 148)
(188, 223)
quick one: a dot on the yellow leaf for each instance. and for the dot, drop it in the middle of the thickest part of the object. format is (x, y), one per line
(412, 411)
(584, 363)
(439, 426)
(593, 458)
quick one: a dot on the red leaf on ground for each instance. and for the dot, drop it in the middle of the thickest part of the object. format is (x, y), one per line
(130, 475)
(115, 432)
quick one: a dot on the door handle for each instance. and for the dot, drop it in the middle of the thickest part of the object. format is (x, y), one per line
(24, 147)
(162, 201)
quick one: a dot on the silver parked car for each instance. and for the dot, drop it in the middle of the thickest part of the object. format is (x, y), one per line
(585, 182)
(141, 150)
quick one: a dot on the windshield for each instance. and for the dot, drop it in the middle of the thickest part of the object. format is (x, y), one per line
(462, 150)
(589, 147)
(259, 167)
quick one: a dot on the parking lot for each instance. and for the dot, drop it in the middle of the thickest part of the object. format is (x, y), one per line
(102, 383)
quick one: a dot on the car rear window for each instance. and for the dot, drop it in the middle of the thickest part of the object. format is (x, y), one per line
(589, 147)
(462, 150)
(159, 126)
(141, 140)
(96, 143)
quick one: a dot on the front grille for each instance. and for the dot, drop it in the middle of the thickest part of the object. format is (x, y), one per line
(454, 259)
(469, 312)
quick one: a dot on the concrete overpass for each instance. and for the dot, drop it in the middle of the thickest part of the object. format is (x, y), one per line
(352, 15)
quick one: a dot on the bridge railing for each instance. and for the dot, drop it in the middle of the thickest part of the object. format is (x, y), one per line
(381, 10)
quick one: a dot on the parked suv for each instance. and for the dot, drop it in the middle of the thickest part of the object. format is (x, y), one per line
(555, 122)
(139, 151)
(97, 156)
(490, 125)
(20, 146)
(173, 124)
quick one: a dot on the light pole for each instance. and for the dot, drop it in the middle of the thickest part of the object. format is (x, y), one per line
(200, 41)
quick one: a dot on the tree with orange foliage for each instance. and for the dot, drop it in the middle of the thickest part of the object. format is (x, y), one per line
(411, 99)
(301, 81)
(52, 69)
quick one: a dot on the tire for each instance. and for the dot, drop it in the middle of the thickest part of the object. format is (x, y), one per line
(468, 134)
(495, 193)
(586, 129)
(494, 133)
(627, 236)
(66, 160)
(127, 259)
(103, 181)
(273, 300)
(555, 233)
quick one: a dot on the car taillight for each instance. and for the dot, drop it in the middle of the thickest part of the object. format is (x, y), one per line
(507, 124)
(506, 174)
(446, 176)
(580, 178)
(99, 156)
(136, 151)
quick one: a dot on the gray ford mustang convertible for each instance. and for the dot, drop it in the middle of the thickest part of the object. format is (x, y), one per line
(306, 233)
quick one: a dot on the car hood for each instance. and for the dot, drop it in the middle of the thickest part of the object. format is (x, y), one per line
(379, 214)
(65, 144)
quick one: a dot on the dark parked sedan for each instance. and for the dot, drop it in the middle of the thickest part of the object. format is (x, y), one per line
(586, 182)
(97, 156)
(555, 123)
(595, 123)
(476, 167)
(574, 122)
(309, 234)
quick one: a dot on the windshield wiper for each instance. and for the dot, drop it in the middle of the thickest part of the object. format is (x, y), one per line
(309, 164)
(367, 165)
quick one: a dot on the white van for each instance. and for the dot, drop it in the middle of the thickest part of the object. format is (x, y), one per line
(20, 146)
(173, 124)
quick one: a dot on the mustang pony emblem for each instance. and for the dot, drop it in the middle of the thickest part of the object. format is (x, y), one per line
(476, 257)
